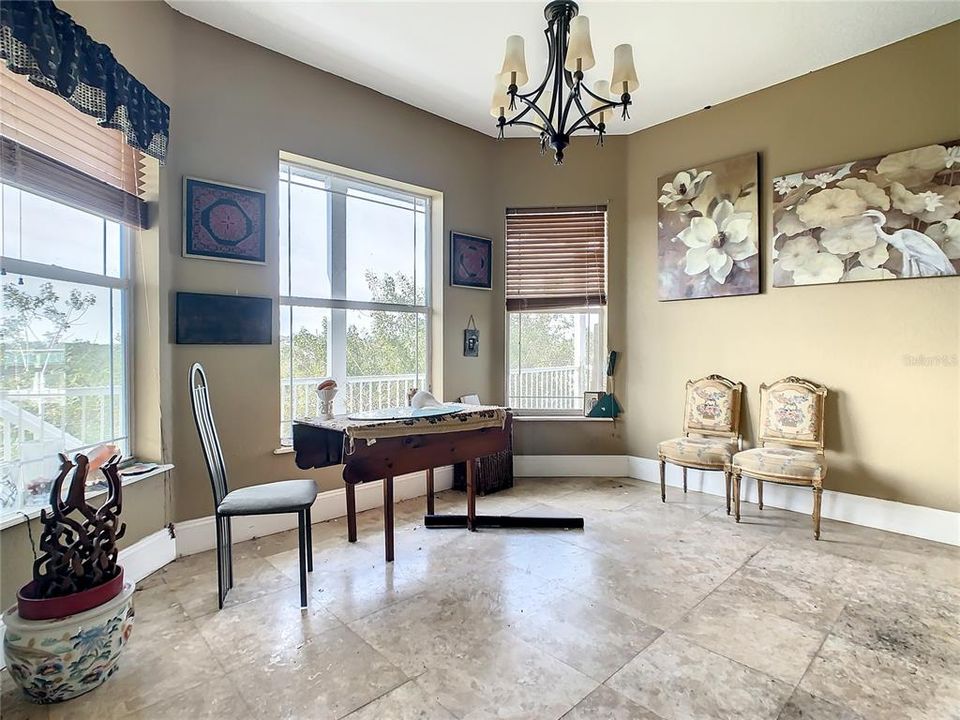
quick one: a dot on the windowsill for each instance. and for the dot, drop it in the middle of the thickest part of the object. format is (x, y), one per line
(560, 418)
(10, 519)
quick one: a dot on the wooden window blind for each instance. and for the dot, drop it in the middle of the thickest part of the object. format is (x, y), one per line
(556, 258)
(51, 149)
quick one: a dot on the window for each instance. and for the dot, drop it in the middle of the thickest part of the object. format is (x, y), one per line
(556, 295)
(354, 292)
(68, 197)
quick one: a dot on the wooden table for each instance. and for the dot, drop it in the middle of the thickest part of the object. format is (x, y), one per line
(388, 457)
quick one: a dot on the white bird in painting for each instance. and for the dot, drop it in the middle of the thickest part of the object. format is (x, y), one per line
(922, 257)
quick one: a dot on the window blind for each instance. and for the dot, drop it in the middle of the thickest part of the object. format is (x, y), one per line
(51, 149)
(556, 257)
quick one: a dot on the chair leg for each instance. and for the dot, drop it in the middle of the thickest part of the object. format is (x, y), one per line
(663, 481)
(736, 495)
(221, 570)
(684, 479)
(760, 492)
(817, 495)
(228, 550)
(388, 519)
(302, 535)
(726, 484)
(309, 541)
(430, 499)
(351, 492)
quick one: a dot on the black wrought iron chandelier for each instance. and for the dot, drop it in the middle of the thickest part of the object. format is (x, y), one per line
(556, 107)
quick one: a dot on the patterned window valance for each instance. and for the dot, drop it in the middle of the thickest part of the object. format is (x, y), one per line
(44, 43)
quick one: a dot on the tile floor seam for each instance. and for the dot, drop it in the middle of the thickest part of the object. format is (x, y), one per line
(813, 659)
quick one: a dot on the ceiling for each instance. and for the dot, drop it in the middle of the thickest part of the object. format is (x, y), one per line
(441, 56)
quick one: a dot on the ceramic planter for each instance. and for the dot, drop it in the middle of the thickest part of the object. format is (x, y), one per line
(56, 660)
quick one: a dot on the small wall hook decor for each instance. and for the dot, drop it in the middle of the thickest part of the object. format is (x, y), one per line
(471, 339)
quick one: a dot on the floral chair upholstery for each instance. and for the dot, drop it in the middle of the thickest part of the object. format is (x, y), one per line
(711, 431)
(791, 442)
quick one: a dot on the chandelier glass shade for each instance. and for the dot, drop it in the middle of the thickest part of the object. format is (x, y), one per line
(562, 104)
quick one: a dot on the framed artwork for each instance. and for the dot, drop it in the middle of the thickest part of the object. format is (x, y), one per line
(708, 230)
(205, 319)
(470, 261)
(590, 399)
(885, 218)
(223, 222)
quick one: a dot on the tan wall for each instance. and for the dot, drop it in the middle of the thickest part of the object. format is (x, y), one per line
(892, 428)
(589, 176)
(234, 107)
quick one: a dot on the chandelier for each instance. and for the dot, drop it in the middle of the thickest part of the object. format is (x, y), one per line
(556, 108)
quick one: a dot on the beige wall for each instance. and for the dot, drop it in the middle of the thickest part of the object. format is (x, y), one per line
(234, 106)
(892, 428)
(590, 175)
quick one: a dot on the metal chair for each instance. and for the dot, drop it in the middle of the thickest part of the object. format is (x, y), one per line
(286, 496)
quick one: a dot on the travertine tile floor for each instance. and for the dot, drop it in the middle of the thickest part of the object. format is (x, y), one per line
(653, 611)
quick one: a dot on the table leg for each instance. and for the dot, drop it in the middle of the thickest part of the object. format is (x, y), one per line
(471, 496)
(430, 507)
(388, 519)
(351, 512)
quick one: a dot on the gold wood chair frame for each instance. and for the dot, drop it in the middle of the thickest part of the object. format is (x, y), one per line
(699, 428)
(773, 436)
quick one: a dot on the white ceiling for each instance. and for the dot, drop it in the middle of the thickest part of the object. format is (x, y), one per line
(441, 56)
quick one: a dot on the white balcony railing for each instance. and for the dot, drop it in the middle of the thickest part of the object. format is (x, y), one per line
(551, 388)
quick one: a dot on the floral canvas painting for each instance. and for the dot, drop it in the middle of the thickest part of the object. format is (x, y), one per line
(708, 230)
(889, 217)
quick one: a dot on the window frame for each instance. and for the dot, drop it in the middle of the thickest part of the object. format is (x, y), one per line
(337, 184)
(124, 283)
(600, 311)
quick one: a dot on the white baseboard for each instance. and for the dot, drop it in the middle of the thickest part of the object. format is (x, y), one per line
(148, 555)
(915, 520)
(194, 536)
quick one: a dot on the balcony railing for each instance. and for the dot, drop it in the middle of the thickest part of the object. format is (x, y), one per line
(550, 388)
(37, 424)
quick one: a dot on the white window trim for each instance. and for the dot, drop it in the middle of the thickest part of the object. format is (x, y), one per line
(548, 414)
(433, 287)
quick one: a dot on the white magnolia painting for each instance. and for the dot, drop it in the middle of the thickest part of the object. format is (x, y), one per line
(890, 217)
(708, 230)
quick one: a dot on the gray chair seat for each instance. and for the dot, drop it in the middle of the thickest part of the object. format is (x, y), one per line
(278, 497)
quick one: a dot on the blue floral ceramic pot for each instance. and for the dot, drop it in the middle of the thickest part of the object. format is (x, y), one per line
(56, 660)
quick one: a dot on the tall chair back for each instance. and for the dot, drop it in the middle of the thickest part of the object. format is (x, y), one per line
(712, 407)
(207, 430)
(791, 413)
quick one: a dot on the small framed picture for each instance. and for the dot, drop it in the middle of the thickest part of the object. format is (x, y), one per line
(470, 261)
(589, 400)
(223, 222)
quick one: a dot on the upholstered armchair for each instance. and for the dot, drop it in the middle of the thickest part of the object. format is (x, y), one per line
(711, 431)
(791, 442)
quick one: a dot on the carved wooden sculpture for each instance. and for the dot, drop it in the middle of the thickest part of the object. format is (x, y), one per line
(79, 541)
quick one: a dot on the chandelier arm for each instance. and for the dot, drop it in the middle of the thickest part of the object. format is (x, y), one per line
(589, 119)
(517, 120)
(584, 116)
(528, 124)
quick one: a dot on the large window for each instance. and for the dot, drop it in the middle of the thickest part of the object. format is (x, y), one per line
(70, 197)
(556, 295)
(354, 288)
(63, 370)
